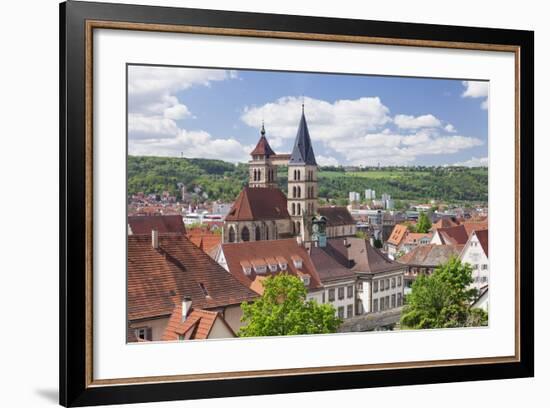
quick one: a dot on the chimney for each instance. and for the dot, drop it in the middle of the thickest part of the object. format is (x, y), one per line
(155, 239)
(185, 307)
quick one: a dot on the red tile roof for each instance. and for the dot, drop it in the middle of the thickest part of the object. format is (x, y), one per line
(399, 232)
(453, 235)
(206, 242)
(259, 203)
(262, 148)
(430, 255)
(336, 216)
(144, 224)
(444, 222)
(330, 263)
(414, 237)
(197, 325)
(483, 237)
(475, 226)
(159, 278)
(258, 251)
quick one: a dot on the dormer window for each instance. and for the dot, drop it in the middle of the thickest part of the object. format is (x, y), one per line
(272, 264)
(247, 267)
(282, 263)
(306, 280)
(259, 266)
(297, 261)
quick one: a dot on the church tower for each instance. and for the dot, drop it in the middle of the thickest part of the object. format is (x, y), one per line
(302, 181)
(262, 173)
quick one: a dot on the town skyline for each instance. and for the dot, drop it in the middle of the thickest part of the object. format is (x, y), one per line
(355, 120)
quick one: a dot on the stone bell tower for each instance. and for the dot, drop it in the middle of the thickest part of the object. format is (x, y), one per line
(302, 181)
(262, 172)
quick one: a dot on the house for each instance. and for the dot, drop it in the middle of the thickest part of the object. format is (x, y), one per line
(340, 223)
(423, 260)
(456, 235)
(476, 253)
(397, 236)
(144, 224)
(444, 222)
(166, 269)
(336, 276)
(413, 240)
(251, 262)
(379, 279)
(188, 323)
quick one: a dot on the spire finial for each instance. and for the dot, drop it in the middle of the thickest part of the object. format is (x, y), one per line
(303, 102)
(263, 129)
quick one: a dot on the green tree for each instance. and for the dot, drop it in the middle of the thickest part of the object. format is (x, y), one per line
(283, 310)
(443, 299)
(424, 224)
(378, 244)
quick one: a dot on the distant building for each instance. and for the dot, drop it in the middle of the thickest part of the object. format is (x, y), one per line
(397, 237)
(354, 197)
(340, 223)
(370, 194)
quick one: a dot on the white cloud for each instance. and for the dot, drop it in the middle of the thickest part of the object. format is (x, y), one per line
(154, 109)
(397, 149)
(327, 161)
(477, 89)
(326, 121)
(474, 162)
(412, 122)
(450, 128)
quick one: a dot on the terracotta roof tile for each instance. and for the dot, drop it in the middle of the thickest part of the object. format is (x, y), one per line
(197, 325)
(262, 148)
(336, 216)
(453, 235)
(159, 278)
(144, 224)
(399, 232)
(483, 237)
(430, 255)
(282, 250)
(259, 203)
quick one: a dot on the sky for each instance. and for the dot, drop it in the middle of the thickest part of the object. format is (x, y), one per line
(353, 119)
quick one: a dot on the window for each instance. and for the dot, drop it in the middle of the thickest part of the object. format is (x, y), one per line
(375, 286)
(392, 300)
(340, 293)
(299, 210)
(258, 236)
(484, 279)
(245, 234)
(399, 281)
(393, 282)
(475, 267)
(484, 267)
(323, 298)
(387, 284)
(144, 333)
(387, 305)
(299, 192)
(350, 291)
(331, 294)
(381, 304)
(273, 267)
(350, 311)
(298, 175)
(399, 299)
(341, 312)
(359, 308)
(266, 232)
(293, 209)
(294, 191)
(375, 306)
(360, 286)
(231, 234)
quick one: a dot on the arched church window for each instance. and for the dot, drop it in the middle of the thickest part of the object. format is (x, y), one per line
(293, 209)
(245, 234)
(297, 228)
(231, 234)
(266, 232)
(259, 174)
(294, 174)
(298, 175)
(294, 192)
(299, 192)
(299, 209)
(257, 235)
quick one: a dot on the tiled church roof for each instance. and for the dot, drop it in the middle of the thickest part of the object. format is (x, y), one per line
(259, 203)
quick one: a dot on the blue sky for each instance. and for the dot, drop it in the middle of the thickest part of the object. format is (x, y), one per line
(353, 119)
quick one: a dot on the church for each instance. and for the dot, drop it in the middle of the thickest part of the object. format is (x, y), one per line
(262, 211)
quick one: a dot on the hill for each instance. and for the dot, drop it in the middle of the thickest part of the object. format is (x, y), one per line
(223, 181)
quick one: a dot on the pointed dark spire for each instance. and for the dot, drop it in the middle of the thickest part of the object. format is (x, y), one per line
(302, 153)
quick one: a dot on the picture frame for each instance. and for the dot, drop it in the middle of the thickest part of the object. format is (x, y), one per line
(78, 20)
